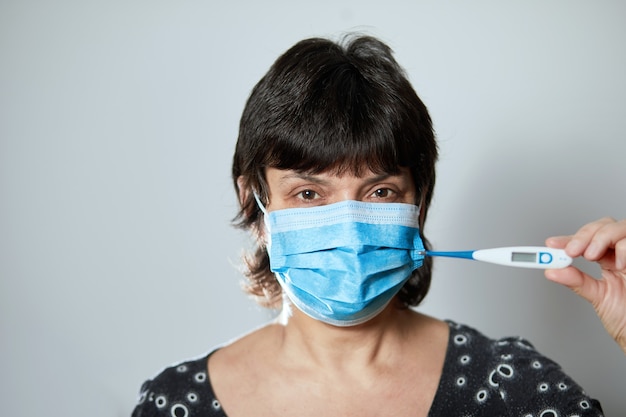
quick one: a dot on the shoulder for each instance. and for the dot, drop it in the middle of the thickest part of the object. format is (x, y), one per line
(179, 390)
(186, 389)
(511, 374)
(482, 348)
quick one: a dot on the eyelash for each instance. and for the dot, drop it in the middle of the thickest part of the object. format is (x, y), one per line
(387, 192)
(310, 196)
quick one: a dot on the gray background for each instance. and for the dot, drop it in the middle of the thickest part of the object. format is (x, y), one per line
(117, 124)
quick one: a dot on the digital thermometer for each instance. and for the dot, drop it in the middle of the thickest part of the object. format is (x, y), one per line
(538, 257)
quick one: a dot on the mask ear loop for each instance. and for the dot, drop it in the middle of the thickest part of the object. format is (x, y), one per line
(258, 201)
(267, 236)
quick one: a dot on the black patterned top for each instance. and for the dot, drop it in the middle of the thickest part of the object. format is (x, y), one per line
(481, 377)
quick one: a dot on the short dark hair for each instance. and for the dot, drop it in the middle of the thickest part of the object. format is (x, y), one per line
(340, 106)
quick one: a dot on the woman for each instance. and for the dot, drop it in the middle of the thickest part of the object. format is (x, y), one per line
(335, 169)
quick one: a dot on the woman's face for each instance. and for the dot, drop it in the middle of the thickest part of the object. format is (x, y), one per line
(291, 189)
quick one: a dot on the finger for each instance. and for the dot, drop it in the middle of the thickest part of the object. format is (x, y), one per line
(576, 280)
(620, 255)
(558, 242)
(580, 243)
(612, 235)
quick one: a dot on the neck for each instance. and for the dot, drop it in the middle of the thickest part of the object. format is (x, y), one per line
(324, 345)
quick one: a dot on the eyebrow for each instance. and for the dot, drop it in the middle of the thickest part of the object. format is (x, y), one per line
(301, 176)
(318, 180)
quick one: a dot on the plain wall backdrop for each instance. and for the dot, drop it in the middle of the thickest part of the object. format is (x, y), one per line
(117, 124)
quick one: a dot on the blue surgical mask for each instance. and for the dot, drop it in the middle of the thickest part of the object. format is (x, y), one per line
(343, 263)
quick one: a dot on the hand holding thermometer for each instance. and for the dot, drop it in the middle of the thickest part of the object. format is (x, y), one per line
(538, 257)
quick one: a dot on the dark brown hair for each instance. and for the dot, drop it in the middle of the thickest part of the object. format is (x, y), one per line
(332, 106)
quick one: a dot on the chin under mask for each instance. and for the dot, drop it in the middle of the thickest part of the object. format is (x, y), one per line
(342, 263)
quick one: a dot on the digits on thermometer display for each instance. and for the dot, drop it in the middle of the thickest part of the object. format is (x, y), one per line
(524, 256)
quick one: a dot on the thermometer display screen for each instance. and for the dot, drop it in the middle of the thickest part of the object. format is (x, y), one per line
(524, 256)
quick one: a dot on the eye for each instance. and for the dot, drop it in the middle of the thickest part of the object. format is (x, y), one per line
(382, 193)
(307, 194)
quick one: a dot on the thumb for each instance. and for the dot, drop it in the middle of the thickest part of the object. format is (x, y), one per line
(576, 280)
